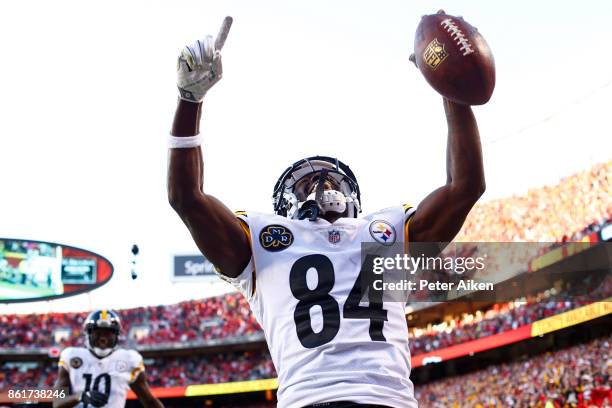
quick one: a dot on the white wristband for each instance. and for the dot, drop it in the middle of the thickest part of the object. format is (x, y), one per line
(184, 142)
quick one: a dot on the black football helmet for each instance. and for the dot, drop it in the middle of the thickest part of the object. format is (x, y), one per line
(102, 319)
(301, 191)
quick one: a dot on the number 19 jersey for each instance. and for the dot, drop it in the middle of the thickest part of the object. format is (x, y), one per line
(326, 343)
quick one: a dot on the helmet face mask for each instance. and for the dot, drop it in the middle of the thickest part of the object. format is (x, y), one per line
(102, 329)
(298, 193)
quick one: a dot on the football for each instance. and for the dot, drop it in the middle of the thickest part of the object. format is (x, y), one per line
(454, 58)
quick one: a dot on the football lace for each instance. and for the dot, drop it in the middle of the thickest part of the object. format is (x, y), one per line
(457, 35)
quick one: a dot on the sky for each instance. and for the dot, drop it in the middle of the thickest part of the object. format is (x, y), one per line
(88, 96)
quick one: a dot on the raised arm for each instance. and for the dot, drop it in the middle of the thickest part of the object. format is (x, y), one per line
(214, 228)
(441, 214)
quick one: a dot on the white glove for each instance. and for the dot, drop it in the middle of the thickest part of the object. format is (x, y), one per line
(199, 65)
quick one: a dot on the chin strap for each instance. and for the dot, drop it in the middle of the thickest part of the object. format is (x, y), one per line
(310, 210)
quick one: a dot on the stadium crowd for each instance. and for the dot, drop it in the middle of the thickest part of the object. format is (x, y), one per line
(228, 316)
(219, 368)
(579, 376)
(27, 374)
(544, 217)
(218, 317)
(551, 213)
(224, 367)
(500, 317)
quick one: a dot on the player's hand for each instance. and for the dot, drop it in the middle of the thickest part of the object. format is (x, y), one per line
(94, 398)
(199, 65)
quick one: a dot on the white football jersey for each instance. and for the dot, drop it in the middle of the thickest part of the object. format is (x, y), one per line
(111, 375)
(324, 347)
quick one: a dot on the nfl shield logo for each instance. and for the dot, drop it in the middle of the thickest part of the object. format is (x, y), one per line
(334, 236)
(434, 54)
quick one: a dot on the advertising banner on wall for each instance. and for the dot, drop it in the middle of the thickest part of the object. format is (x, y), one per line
(191, 267)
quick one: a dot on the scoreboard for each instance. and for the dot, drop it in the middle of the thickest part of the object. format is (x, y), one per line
(37, 270)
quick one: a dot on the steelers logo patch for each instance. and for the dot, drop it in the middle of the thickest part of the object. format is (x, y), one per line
(122, 366)
(275, 238)
(76, 362)
(383, 232)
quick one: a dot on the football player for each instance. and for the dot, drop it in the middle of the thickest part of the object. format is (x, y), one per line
(100, 374)
(329, 349)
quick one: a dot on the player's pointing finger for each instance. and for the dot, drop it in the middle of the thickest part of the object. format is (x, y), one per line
(223, 32)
